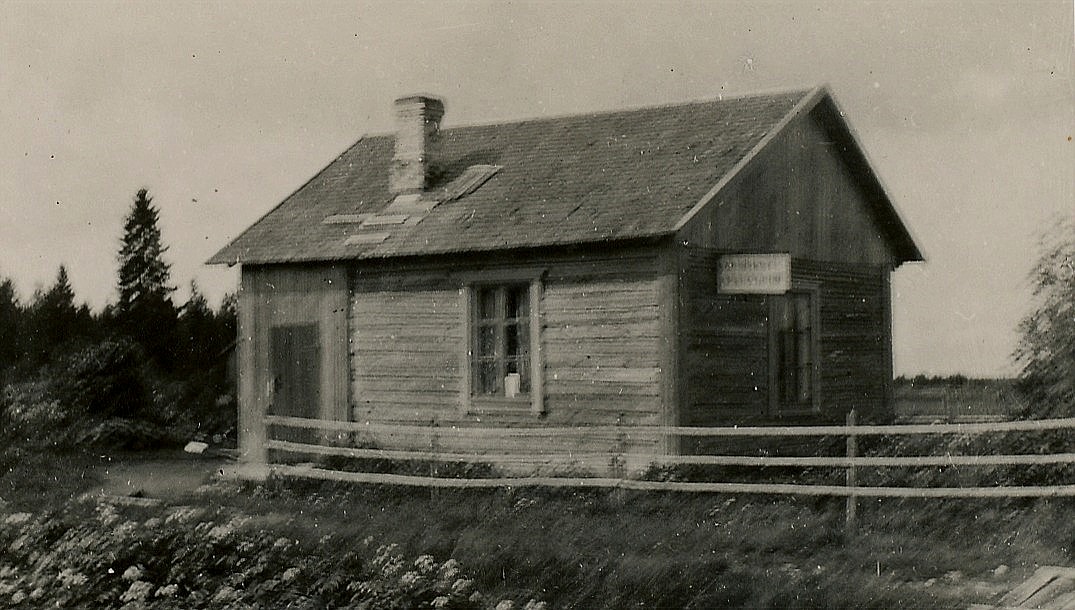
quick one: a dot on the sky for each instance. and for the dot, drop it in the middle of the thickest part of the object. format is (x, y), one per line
(221, 109)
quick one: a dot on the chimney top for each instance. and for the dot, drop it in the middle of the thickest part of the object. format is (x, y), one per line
(431, 105)
(417, 123)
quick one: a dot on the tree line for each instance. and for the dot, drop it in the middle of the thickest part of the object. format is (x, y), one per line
(176, 338)
(141, 357)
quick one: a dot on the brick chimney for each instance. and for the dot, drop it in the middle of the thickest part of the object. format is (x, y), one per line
(417, 123)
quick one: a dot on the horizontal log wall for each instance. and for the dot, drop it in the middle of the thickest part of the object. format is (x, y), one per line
(600, 333)
(855, 336)
(725, 342)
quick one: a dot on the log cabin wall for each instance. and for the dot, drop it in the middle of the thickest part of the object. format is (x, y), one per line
(727, 357)
(601, 343)
(855, 336)
(275, 296)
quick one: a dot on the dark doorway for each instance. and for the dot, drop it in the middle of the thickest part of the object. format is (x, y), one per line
(793, 359)
(295, 353)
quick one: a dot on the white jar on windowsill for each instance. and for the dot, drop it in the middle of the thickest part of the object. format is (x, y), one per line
(512, 383)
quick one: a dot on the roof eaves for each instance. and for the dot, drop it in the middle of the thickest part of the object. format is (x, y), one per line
(221, 258)
(908, 243)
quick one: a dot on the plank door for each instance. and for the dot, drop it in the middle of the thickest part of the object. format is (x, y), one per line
(295, 354)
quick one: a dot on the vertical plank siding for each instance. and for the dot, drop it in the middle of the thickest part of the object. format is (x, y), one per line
(726, 349)
(273, 295)
(799, 196)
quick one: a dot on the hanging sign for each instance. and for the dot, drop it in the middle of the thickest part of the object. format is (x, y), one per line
(754, 274)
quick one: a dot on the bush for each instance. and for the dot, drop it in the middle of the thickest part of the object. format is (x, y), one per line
(187, 558)
(28, 410)
(106, 379)
(1046, 350)
(198, 407)
(108, 395)
(119, 433)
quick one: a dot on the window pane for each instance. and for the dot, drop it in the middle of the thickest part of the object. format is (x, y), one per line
(486, 347)
(518, 301)
(501, 339)
(804, 384)
(487, 304)
(804, 340)
(488, 379)
(784, 319)
(522, 367)
(517, 338)
(802, 311)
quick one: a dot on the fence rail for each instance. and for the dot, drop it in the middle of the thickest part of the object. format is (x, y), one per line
(851, 462)
(661, 431)
(634, 484)
(671, 460)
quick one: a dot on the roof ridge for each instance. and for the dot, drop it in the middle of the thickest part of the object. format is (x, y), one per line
(776, 92)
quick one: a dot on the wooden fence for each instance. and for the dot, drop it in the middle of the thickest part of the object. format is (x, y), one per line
(434, 436)
(974, 401)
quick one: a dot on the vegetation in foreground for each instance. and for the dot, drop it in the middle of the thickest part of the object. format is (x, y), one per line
(305, 544)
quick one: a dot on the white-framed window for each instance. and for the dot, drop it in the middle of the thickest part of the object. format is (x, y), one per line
(502, 361)
(500, 340)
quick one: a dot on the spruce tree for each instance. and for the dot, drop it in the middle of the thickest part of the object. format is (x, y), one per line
(56, 311)
(196, 330)
(145, 310)
(10, 322)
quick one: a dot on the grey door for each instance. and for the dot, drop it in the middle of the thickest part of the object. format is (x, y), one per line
(295, 354)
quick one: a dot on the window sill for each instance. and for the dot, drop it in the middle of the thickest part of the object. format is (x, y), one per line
(499, 405)
(792, 412)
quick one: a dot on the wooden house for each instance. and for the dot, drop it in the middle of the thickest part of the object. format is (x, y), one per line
(711, 263)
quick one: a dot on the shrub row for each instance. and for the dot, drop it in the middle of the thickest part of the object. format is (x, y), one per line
(187, 557)
(108, 394)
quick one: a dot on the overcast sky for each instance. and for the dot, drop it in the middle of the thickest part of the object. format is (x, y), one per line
(966, 110)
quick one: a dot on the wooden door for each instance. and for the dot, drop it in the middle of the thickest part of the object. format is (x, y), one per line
(295, 354)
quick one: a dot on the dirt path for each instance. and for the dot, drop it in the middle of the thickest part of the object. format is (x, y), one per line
(165, 475)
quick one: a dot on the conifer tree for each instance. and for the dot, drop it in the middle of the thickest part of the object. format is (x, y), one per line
(10, 335)
(145, 310)
(196, 330)
(53, 319)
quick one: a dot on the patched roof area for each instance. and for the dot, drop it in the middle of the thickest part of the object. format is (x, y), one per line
(544, 182)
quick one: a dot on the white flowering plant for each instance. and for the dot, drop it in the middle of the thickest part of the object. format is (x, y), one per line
(194, 558)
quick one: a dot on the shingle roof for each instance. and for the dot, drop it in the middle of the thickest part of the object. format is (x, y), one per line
(564, 180)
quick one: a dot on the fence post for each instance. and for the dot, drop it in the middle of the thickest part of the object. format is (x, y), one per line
(852, 450)
(617, 462)
(432, 453)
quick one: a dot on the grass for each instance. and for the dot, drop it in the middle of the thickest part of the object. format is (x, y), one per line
(623, 549)
(599, 549)
(31, 480)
